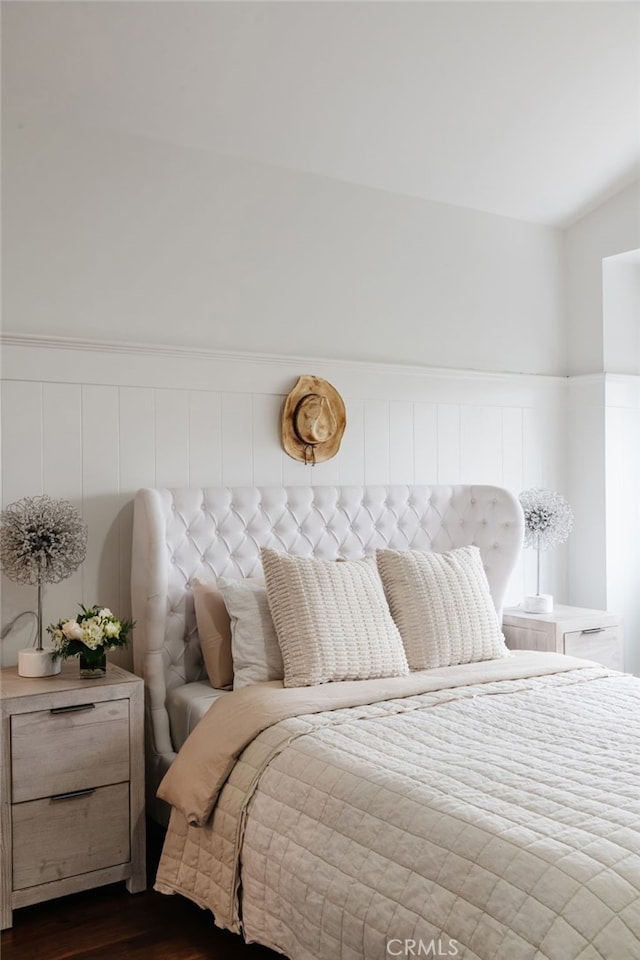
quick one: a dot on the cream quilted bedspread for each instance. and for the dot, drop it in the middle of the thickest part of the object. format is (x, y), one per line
(497, 820)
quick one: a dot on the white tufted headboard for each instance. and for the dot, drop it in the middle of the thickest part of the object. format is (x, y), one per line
(184, 533)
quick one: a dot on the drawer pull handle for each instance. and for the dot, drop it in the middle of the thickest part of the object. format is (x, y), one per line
(72, 795)
(75, 708)
(594, 630)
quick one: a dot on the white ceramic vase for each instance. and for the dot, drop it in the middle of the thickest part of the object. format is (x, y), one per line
(37, 663)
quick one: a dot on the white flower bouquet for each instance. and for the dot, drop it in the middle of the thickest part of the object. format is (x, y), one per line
(93, 631)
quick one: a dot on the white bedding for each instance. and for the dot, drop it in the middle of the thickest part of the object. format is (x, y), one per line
(499, 819)
(187, 705)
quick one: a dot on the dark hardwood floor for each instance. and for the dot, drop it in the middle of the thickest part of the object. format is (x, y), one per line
(111, 924)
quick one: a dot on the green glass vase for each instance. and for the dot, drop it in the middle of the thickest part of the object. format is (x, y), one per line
(93, 664)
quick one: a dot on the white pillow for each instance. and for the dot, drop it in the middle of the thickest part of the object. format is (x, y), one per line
(332, 620)
(254, 643)
(442, 605)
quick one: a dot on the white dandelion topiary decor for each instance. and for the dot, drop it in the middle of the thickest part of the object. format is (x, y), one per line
(548, 520)
(41, 541)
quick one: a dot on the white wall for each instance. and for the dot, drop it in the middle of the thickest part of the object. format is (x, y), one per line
(621, 316)
(621, 313)
(622, 457)
(93, 423)
(107, 235)
(586, 491)
(621, 322)
(603, 312)
(610, 229)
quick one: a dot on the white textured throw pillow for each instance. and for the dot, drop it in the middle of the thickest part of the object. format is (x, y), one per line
(442, 605)
(254, 643)
(332, 620)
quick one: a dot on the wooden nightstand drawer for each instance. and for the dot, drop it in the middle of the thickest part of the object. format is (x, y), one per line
(70, 835)
(71, 785)
(69, 748)
(603, 646)
(576, 631)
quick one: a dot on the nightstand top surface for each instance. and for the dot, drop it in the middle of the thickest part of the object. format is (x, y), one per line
(559, 613)
(13, 686)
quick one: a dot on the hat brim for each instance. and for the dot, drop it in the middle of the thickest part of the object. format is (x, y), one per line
(293, 445)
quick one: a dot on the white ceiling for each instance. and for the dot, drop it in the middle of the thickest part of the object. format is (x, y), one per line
(529, 110)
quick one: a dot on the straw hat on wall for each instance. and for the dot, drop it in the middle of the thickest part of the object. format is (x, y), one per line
(313, 420)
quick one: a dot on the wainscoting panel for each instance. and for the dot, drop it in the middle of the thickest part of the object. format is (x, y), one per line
(622, 460)
(22, 445)
(350, 460)
(93, 423)
(376, 442)
(172, 438)
(137, 446)
(401, 453)
(425, 440)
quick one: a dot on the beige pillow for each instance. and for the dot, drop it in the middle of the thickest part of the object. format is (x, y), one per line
(332, 620)
(214, 631)
(442, 605)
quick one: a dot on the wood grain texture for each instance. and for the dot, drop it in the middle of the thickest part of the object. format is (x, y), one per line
(93, 750)
(67, 836)
(577, 631)
(604, 647)
(6, 845)
(53, 752)
(137, 880)
(68, 885)
(106, 923)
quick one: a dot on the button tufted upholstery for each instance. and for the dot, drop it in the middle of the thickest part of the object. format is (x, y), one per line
(185, 533)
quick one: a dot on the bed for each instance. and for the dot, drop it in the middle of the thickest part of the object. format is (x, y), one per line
(485, 808)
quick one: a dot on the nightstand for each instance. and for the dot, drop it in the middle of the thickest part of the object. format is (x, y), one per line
(577, 631)
(72, 782)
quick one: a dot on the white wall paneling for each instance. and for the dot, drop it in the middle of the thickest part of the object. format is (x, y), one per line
(62, 440)
(425, 440)
(22, 446)
(172, 438)
(622, 477)
(512, 448)
(604, 479)
(351, 459)
(267, 459)
(586, 484)
(472, 441)
(63, 472)
(137, 442)
(22, 476)
(113, 419)
(547, 434)
(376, 441)
(101, 495)
(492, 442)
(236, 451)
(448, 449)
(401, 430)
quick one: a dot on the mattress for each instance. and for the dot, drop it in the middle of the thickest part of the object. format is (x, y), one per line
(187, 705)
(495, 815)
